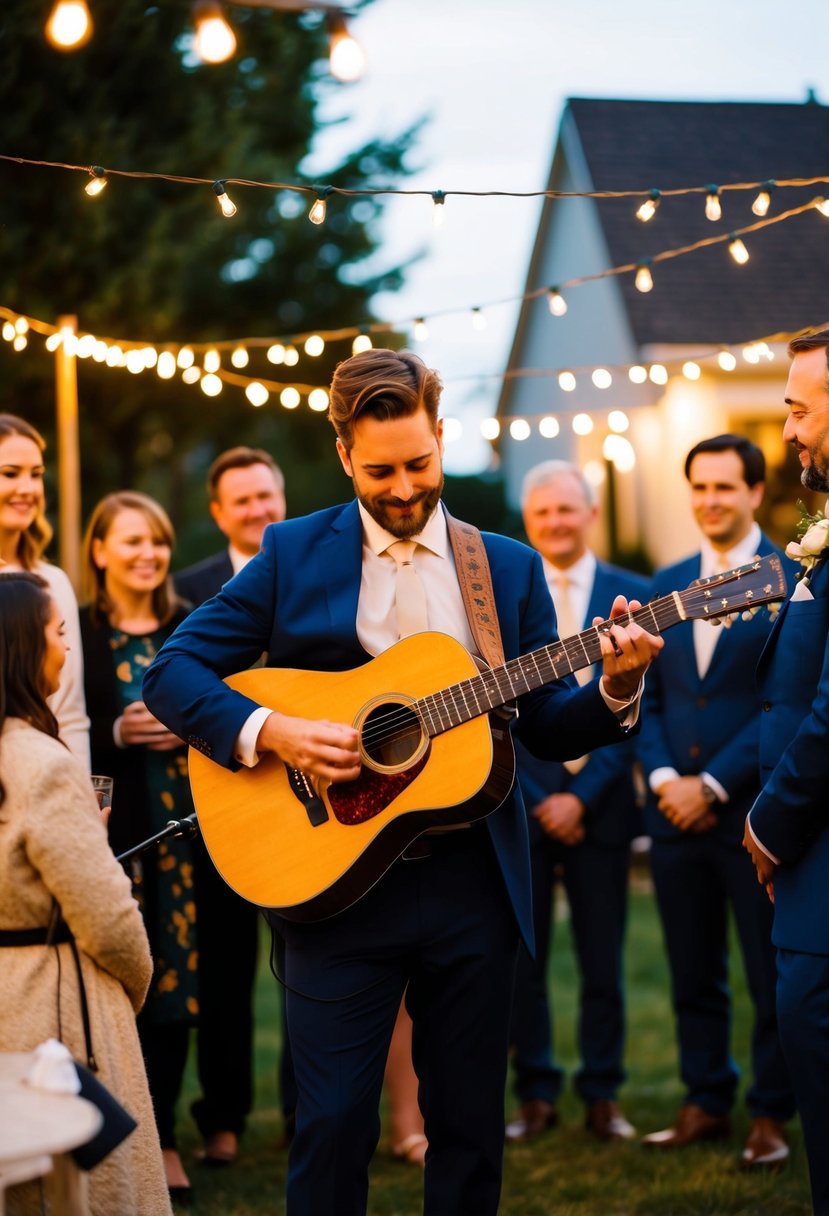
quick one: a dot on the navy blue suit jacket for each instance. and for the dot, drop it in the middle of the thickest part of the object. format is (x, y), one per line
(297, 599)
(199, 582)
(709, 724)
(605, 784)
(791, 815)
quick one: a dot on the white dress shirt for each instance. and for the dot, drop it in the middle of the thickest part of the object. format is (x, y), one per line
(712, 561)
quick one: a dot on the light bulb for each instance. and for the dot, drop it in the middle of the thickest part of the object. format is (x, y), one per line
(519, 429)
(644, 278)
(618, 421)
(69, 25)
(602, 378)
(361, 342)
(320, 205)
(582, 424)
(691, 370)
(637, 374)
(240, 357)
(291, 357)
(225, 201)
(211, 385)
(289, 397)
(20, 342)
(761, 204)
(214, 40)
(658, 373)
(822, 205)
(556, 302)
(185, 358)
(98, 182)
(726, 360)
(648, 209)
(276, 353)
(9, 332)
(738, 250)
(490, 428)
(421, 330)
(256, 393)
(314, 345)
(713, 206)
(438, 204)
(566, 382)
(166, 366)
(548, 427)
(478, 319)
(346, 60)
(212, 360)
(318, 399)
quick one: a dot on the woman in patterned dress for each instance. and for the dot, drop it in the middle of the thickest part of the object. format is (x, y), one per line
(132, 610)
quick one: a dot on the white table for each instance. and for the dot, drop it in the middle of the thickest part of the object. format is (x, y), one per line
(38, 1130)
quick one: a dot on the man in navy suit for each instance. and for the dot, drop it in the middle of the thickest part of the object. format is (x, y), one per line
(246, 492)
(699, 749)
(443, 925)
(582, 816)
(787, 832)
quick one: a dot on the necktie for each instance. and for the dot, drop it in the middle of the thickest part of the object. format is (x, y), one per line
(567, 628)
(706, 634)
(409, 592)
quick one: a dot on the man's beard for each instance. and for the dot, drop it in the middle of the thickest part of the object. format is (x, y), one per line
(816, 474)
(403, 527)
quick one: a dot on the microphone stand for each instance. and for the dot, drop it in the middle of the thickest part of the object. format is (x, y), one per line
(187, 828)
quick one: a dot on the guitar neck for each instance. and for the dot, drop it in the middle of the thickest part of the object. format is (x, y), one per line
(496, 686)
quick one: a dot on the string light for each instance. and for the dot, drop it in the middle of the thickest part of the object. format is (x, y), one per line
(212, 360)
(713, 206)
(438, 205)
(346, 60)
(211, 385)
(520, 429)
(601, 377)
(318, 400)
(20, 342)
(421, 330)
(314, 345)
(225, 201)
(648, 209)
(548, 427)
(658, 373)
(478, 319)
(240, 357)
(566, 382)
(490, 428)
(185, 358)
(738, 250)
(619, 452)
(9, 332)
(290, 398)
(98, 182)
(556, 302)
(166, 366)
(361, 342)
(726, 361)
(618, 421)
(214, 40)
(582, 424)
(637, 374)
(69, 25)
(276, 353)
(291, 356)
(822, 205)
(191, 374)
(256, 393)
(761, 204)
(320, 206)
(691, 370)
(644, 278)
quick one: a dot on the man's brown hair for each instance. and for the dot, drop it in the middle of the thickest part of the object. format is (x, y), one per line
(240, 458)
(382, 384)
(813, 341)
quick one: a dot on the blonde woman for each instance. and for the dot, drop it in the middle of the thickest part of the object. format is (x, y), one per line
(24, 536)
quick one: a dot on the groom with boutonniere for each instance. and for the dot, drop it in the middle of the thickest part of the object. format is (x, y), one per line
(787, 830)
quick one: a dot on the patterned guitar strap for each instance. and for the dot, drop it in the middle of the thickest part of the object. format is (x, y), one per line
(475, 580)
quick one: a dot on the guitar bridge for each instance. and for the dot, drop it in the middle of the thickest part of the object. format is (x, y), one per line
(303, 790)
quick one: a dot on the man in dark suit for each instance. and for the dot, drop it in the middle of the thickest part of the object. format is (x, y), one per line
(699, 750)
(787, 832)
(442, 925)
(246, 492)
(582, 816)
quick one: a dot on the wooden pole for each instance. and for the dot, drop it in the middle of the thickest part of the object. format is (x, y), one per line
(69, 461)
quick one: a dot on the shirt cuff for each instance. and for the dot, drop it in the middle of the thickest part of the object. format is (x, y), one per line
(760, 844)
(245, 749)
(720, 791)
(659, 776)
(627, 712)
(116, 734)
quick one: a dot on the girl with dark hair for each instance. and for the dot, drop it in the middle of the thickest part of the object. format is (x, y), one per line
(54, 854)
(132, 610)
(24, 535)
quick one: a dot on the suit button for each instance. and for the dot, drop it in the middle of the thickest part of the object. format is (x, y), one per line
(766, 706)
(701, 702)
(693, 750)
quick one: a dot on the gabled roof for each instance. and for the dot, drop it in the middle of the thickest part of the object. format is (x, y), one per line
(705, 297)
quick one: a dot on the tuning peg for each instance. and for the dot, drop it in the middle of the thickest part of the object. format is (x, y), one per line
(773, 609)
(714, 620)
(750, 612)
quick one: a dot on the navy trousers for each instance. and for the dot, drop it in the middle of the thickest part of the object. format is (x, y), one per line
(443, 926)
(696, 877)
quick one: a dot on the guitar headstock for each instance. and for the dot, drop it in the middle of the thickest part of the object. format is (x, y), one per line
(742, 590)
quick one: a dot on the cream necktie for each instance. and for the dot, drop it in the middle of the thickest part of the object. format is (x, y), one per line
(409, 592)
(705, 633)
(567, 628)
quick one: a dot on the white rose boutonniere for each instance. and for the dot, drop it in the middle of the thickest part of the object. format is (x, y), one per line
(812, 539)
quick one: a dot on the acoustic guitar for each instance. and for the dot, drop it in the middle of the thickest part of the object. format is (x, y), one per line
(435, 745)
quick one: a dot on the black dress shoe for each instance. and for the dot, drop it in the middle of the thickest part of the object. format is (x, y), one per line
(534, 1117)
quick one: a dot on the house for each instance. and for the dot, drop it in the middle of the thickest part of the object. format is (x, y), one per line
(701, 304)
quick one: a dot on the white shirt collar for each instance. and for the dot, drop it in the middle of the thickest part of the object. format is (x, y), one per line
(581, 574)
(738, 555)
(433, 536)
(238, 560)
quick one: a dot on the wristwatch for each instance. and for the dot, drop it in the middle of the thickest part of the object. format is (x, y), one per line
(708, 792)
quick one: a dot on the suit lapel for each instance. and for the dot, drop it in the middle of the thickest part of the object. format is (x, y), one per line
(340, 560)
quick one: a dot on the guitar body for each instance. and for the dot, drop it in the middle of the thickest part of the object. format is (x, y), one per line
(308, 862)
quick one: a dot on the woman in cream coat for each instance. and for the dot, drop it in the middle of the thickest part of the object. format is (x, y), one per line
(53, 848)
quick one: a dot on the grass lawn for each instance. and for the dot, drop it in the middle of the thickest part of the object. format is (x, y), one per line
(565, 1173)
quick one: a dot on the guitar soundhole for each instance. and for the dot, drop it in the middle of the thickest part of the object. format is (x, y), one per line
(391, 736)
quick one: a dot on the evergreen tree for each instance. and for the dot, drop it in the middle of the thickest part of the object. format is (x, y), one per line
(156, 260)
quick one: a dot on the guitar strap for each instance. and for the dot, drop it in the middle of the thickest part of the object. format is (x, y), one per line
(475, 580)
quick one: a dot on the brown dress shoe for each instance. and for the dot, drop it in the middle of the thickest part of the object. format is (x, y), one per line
(534, 1117)
(766, 1146)
(605, 1120)
(692, 1124)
